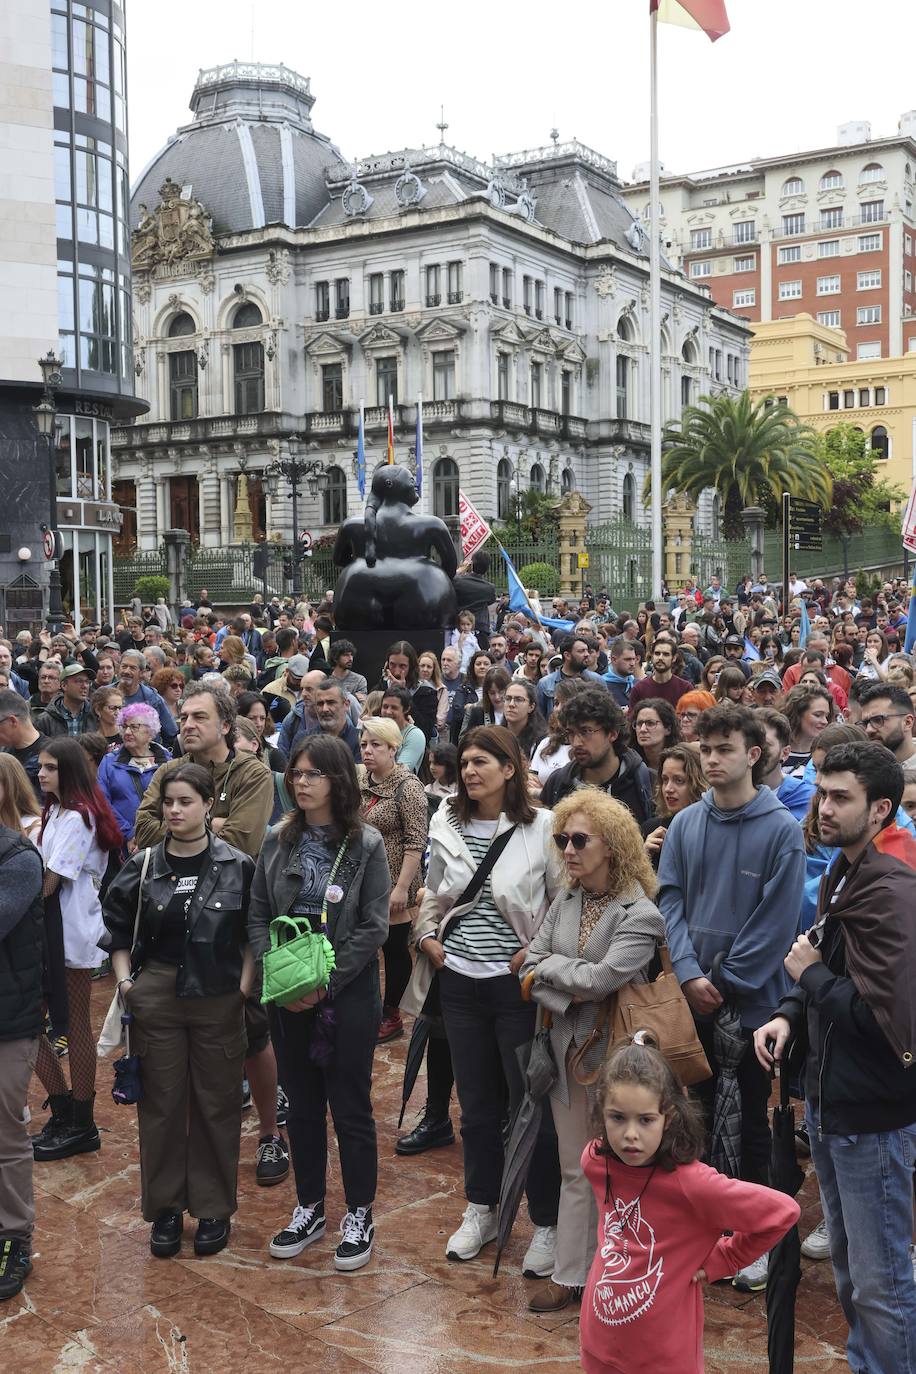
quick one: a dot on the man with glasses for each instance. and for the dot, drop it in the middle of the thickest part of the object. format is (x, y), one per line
(887, 716)
(596, 729)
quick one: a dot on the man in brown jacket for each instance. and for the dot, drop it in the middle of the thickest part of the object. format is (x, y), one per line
(243, 802)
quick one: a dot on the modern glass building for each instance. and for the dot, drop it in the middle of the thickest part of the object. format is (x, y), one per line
(71, 137)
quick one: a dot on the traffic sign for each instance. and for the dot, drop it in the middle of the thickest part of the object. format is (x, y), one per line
(51, 543)
(583, 560)
(305, 539)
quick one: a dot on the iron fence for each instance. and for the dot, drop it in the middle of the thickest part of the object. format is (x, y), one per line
(728, 559)
(620, 562)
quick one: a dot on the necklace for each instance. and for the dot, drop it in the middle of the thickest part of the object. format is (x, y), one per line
(623, 1217)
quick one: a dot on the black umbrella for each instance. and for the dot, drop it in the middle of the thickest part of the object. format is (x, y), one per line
(422, 1027)
(540, 1076)
(729, 1048)
(784, 1270)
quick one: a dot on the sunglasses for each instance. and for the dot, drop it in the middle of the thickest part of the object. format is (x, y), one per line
(576, 839)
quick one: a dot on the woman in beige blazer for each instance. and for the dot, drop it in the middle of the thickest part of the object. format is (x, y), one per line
(600, 933)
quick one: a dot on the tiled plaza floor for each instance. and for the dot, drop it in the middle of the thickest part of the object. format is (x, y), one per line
(97, 1302)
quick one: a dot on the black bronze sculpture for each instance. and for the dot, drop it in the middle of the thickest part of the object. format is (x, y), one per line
(389, 580)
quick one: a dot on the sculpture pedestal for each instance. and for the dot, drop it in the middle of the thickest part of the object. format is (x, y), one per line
(372, 647)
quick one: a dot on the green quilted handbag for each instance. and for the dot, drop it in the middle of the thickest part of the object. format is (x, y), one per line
(299, 960)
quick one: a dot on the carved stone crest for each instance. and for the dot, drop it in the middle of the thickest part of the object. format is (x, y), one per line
(277, 269)
(606, 282)
(178, 229)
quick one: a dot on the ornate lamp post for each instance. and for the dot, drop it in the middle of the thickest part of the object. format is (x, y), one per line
(297, 469)
(46, 418)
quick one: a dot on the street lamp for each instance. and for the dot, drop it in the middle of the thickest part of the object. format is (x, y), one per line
(296, 469)
(45, 418)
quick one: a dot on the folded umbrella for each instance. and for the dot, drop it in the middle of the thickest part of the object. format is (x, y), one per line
(729, 1048)
(420, 1034)
(784, 1271)
(540, 1075)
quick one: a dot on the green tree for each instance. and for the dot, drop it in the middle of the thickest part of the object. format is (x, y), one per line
(536, 520)
(862, 498)
(750, 453)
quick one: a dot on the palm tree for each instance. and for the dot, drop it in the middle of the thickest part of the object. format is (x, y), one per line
(749, 453)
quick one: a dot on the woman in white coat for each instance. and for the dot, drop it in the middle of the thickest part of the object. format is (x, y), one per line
(476, 947)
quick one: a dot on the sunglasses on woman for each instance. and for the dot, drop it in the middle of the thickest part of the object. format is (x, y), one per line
(576, 839)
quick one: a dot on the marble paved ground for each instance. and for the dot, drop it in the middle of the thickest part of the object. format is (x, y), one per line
(98, 1303)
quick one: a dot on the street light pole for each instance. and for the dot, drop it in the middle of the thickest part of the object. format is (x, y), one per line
(294, 469)
(45, 417)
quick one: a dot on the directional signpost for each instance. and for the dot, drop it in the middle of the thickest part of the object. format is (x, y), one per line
(802, 532)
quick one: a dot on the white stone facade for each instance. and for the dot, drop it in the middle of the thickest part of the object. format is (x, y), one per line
(515, 334)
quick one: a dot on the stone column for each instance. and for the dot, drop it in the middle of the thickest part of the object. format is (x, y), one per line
(752, 517)
(147, 529)
(177, 545)
(572, 513)
(225, 509)
(678, 516)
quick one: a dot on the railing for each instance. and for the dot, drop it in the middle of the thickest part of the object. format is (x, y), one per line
(510, 413)
(620, 561)
(725, 558)
(872, 549)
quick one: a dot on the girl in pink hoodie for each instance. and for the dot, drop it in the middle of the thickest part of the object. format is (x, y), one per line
(661, 1215)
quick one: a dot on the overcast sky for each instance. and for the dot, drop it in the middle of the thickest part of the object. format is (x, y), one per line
(788, 73)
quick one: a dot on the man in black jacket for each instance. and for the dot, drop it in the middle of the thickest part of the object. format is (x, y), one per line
(20, 1026)
(474, 593)
(855, 996)
(596, 728)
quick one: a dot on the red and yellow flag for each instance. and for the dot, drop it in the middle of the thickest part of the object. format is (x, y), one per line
(390, 430)
(708, 15)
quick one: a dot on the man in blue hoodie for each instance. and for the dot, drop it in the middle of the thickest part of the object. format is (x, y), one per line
(730, 879)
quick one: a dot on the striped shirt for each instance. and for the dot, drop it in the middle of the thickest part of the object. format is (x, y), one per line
(482, 943)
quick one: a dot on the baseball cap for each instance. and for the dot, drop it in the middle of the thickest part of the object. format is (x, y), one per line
(769, 676)
(735, 639)
(72, 669)
(297, 666)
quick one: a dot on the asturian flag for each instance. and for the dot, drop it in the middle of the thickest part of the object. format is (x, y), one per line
(910, 637)
(804, 626)
(708, 15)
(390, 429)
(361, 454)
(518, 599)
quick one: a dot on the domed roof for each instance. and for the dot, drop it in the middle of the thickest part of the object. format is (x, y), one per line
(250, 156)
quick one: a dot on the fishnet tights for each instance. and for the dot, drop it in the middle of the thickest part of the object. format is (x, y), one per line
(81, 1046)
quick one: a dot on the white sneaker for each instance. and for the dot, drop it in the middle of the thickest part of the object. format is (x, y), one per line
(541, 1253)
(477, 1229)
(753, 1277)
(817, 1245)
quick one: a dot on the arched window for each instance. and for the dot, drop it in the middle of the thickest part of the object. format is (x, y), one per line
(715, 514)
(183, 385)
(831, 181)
(689, 352)
(248, 314)
(334, 499)
(567, 481)
(880, 442)
(629, 497)
(503, 489)
(445, 489)
(248, 362)
(872, 171)
(624, 329)
(182, 325)
(794, 186)
(538, 478)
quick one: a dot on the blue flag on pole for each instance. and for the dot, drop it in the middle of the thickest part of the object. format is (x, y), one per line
(804, 626)
(910, 639)
(518, 599)
(419, 447)
(751, 653)
(361, 455)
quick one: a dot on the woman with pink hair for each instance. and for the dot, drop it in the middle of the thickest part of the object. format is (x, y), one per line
(125, 774)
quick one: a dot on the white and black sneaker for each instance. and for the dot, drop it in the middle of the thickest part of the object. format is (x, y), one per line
(355, 1249)
(282, 1106)
(307, 1224)
(272, 1160)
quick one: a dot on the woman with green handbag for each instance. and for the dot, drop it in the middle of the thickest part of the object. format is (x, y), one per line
(325, 872)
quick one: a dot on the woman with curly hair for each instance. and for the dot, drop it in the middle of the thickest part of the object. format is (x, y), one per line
(809, 710)
(600, 932)
(679, 783)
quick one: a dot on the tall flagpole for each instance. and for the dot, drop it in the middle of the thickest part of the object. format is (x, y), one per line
(655, 316)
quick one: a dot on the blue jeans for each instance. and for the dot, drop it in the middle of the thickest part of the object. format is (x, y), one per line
(866, 1184)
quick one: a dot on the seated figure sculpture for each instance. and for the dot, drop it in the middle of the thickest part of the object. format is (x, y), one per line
(389, 580)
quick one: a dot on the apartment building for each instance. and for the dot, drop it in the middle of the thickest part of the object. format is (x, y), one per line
(828, 232)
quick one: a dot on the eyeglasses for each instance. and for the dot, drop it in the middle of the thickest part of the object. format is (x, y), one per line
(308, 775)
(688, 715)
(583, 732)
(577, 839)
(880, 721)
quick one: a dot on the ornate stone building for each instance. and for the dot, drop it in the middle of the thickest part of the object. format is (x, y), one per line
(277, 286)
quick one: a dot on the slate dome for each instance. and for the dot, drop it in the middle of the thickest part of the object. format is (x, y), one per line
(250, 155)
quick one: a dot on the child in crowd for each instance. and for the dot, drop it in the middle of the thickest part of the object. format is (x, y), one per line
(661, 1218)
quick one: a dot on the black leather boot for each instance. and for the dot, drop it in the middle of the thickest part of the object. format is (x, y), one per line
(431, 1132)
(61, 1114)
(80, 1136)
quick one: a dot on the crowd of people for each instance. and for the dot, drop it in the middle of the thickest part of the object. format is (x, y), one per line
(495, 839)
